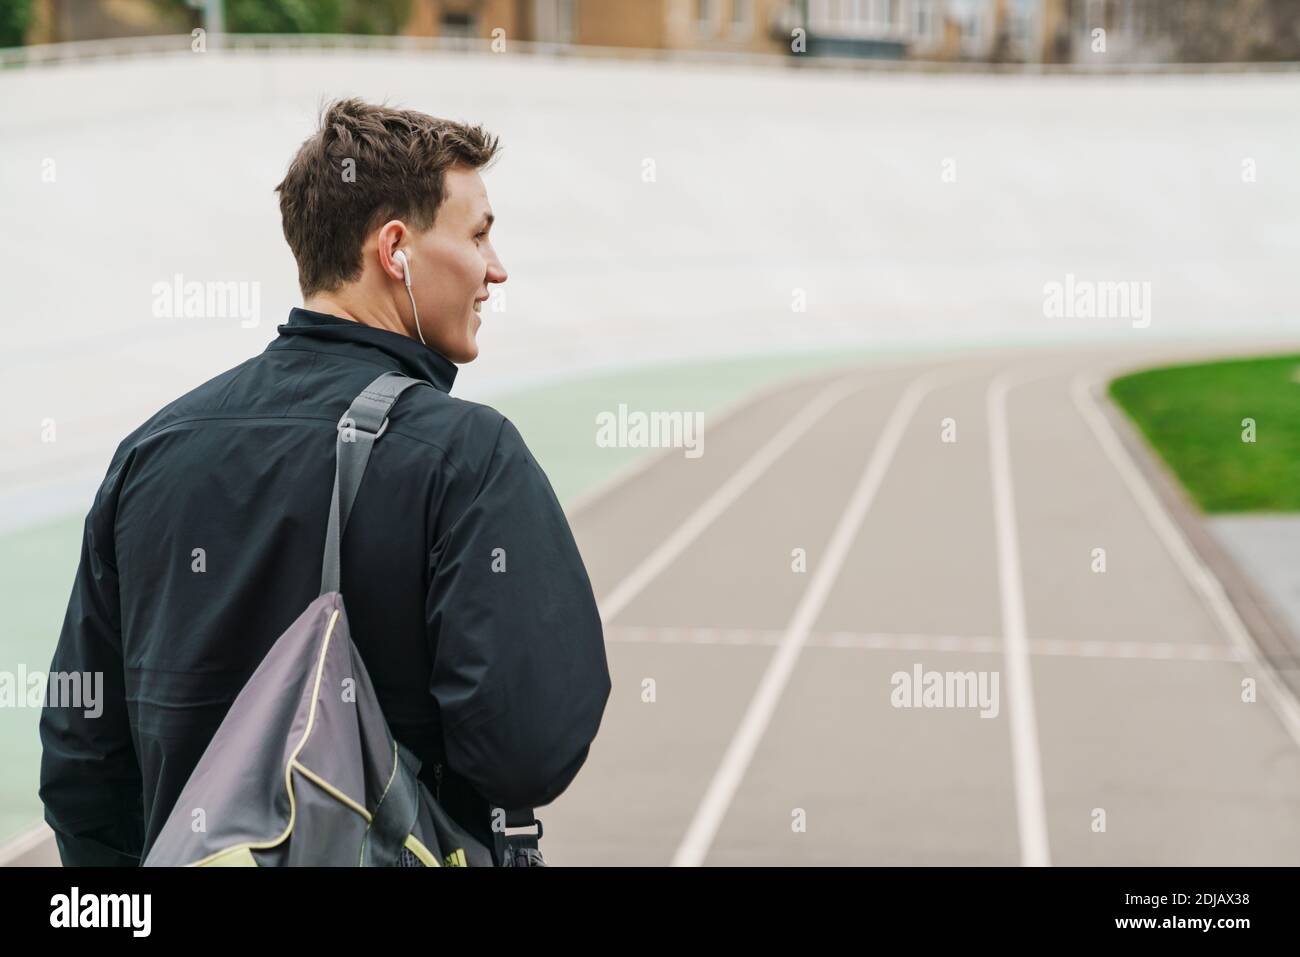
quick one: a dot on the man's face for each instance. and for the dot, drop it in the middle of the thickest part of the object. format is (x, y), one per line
(452, 264)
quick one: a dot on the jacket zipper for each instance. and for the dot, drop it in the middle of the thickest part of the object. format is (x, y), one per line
(437, 781)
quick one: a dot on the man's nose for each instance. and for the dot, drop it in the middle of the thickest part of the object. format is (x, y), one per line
(496, 272)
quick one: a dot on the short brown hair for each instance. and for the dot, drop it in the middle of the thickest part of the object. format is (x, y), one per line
(398, 161)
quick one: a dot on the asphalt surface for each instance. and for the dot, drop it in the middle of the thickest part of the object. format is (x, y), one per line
(751, 720)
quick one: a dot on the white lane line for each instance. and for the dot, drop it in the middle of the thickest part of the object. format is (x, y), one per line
(717, 799)
(1202, 580)
(1026, 765)
(896, 641)
(722, 499)
(733, 409)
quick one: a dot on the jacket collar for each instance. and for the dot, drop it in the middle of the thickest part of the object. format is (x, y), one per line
(320, 332)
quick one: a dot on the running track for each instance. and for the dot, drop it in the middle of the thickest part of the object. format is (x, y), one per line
(770, 738)
(1120, 692)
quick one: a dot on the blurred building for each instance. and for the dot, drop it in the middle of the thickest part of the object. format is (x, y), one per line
(734, 25)
(997, 31)
(1176, 31)
(1024, 31)
(1048, 31)
(1098, 32)
(60, 21)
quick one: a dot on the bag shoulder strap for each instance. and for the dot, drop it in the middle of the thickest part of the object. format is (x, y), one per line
(362, 424)
(358, 430)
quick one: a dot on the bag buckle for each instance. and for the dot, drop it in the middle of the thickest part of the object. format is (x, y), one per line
(518, 819)
(340, 426)
(520, 849)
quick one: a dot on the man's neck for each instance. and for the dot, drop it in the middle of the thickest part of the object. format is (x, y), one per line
(375, 318)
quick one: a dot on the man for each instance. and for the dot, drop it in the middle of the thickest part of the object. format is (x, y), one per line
(468, 600)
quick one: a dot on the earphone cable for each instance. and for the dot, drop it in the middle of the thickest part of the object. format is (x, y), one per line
(416, 313)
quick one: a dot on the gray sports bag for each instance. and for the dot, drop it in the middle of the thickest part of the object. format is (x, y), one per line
(304, 769)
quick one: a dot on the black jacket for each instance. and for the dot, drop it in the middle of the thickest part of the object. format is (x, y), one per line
(468, 599)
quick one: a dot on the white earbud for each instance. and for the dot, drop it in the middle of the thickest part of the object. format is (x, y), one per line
(400, 256)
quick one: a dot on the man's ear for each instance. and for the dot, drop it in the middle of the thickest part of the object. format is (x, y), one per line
(389, 238)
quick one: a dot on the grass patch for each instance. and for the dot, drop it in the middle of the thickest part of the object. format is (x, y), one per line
(1193, 416)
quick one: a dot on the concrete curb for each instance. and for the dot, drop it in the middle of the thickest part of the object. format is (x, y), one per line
(1278, 645)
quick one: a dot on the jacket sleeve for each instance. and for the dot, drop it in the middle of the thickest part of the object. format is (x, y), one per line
(520, 673)
(90, 779)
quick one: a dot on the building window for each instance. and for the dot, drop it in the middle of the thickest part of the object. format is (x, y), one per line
(458, 25)
(819, 15)
(972, 27)
(704, 14)
(858, 18)
(1021, 16)
(741, 17)
(880, 14)
(554, 20)
(922, 20)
